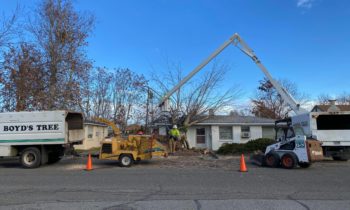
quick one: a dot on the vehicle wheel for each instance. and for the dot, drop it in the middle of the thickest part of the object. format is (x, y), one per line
(289, 160)
(31, 157)
(304, 165)
(126, 160)
(54, 158)
(339, 158)
(272, 160)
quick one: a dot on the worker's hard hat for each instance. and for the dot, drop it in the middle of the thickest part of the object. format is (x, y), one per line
(175, 126)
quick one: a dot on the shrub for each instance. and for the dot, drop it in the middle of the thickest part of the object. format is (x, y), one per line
(259, 144)
(250, 146)
(233, 148)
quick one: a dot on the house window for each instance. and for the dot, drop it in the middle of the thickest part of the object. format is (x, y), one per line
(245, 131)
(225, 132)
(200, 135)
(90, 131)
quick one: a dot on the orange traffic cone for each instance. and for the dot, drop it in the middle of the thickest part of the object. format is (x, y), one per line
(243, 167)
(89, 164)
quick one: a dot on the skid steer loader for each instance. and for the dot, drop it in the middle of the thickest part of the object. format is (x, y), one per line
(291, 150)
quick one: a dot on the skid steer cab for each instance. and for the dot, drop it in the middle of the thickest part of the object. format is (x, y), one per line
(293, 152)
(131, 150)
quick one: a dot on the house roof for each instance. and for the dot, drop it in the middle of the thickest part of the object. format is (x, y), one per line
(324, 108)
(234, 119)
(90, 122)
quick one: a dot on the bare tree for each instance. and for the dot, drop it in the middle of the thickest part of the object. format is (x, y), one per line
(101, 93)
(268, 102)
(23, 80)
(197, 97)
(8, 31)
(341, 99)
(8, 28)
(128, 95)
(323, 99)
(117, 95)
(344, 99)
(61, 33)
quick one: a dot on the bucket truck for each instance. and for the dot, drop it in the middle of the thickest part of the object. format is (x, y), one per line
(296, 134)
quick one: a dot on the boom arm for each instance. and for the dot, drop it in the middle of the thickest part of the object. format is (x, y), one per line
(115, 129)
(237, 41)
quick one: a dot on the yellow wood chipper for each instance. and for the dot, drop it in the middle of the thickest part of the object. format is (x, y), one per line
(133, 149)
(128, 151)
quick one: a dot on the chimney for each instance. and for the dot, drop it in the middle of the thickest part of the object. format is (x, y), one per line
(333, 107)
(211, 112)
(332, 101)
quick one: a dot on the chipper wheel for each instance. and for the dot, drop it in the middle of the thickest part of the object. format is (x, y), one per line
(289, 160)
(272, 159)
(126, 160)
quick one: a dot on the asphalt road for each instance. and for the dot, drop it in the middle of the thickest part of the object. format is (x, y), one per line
(65, 185)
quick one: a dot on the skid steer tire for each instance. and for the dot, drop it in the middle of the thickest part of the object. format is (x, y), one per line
(272, 160)
(289, 160)
(125, 160)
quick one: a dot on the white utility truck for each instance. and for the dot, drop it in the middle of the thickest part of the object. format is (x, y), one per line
(39, 137)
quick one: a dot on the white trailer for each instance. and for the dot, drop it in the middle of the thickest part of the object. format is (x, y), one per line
(39, 137)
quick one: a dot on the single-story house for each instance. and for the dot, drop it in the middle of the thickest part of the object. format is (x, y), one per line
(219, 129)
(94, 133)
(216, 130)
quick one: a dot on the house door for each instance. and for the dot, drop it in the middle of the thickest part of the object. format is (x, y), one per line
(200, 138)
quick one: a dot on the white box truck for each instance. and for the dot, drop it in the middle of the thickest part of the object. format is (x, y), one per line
(39, 137)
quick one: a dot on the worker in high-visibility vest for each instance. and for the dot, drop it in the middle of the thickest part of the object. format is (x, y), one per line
(174, 135)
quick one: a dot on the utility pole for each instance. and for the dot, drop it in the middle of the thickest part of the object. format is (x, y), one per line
(147, 110)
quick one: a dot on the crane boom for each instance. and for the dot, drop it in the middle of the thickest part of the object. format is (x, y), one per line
(237, 41)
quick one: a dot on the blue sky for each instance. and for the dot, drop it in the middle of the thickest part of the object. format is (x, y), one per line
(305, 41)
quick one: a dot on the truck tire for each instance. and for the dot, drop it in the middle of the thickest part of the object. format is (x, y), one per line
(125, 160)
(272, 160)
(339, 158)
(289, 160)
(30, 157)
(304, 165)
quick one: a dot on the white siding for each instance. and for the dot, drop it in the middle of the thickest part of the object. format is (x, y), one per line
(98, 135)
(268, 132)
(215, 138)
(255, 133)
(236, 134)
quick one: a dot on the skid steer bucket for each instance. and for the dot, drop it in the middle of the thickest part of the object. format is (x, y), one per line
(258, 158)
(314, 150)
